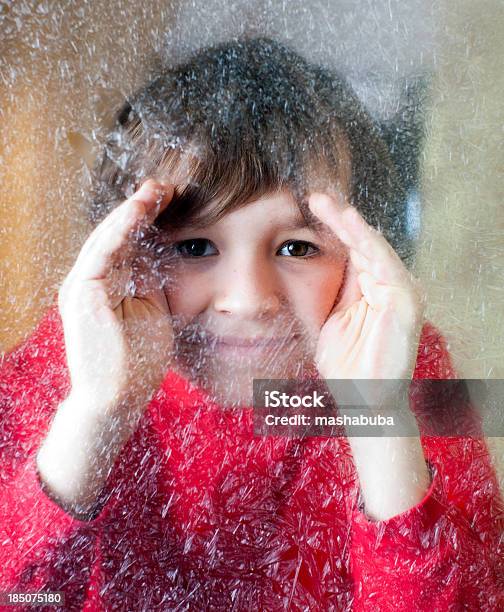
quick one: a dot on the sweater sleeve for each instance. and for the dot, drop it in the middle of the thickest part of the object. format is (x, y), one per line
(41, 545)
(445, 553)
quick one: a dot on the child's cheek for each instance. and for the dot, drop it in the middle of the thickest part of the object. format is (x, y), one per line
(187, 296)
(316, 297)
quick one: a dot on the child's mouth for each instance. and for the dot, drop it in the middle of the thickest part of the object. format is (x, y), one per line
(236, 343)
(262, 344)
(248, 346)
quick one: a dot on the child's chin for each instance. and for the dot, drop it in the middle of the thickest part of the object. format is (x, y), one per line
(231, 384)
(231, 390)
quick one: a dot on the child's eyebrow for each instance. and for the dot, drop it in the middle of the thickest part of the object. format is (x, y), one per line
(294, 224)
(301, 221)
(290, 224)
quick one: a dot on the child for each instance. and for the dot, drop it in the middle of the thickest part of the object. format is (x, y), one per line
(242, 259)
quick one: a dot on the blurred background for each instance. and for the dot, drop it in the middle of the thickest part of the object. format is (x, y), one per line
(429, 71)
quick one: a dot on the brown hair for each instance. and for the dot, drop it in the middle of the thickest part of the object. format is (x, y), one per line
(248, 117)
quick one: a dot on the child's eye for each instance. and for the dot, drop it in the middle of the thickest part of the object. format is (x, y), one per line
(298, 248)
(195, 247)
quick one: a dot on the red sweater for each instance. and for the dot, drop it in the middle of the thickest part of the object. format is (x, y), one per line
(201, 515)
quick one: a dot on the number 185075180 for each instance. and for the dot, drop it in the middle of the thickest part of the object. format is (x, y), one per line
(56, 598)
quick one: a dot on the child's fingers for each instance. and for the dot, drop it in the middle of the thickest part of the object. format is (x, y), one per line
(152, 194)
(156, 297)
(379, 269)
(384, 263)
(385, 297)
(158, 196)
(114, 233)
(375, 255)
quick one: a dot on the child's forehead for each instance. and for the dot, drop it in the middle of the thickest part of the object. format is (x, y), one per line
(276, 207)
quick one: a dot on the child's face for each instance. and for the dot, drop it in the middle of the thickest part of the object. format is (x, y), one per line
(256, 274)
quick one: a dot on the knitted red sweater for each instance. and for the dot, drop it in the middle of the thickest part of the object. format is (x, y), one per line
(201, 515)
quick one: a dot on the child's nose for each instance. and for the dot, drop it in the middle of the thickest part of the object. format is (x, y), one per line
(248, 292)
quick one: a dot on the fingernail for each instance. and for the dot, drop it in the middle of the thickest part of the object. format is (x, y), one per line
(152, 186)
(144, 189)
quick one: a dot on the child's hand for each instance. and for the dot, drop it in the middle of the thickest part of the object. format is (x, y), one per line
(118, 340)
(374, 328)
